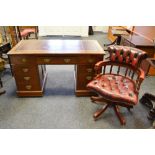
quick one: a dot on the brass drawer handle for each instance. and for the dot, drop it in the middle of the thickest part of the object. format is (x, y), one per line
(67, 60)
(24, 60)
(47, 60)
(90, 60)
(89, 70)
(27, 78)
(28, 87)
(25, 70)
(88, 77)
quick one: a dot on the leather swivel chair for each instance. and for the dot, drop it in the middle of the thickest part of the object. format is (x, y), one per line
(117, 81)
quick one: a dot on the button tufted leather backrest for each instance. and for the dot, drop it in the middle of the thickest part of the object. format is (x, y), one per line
(125, 54)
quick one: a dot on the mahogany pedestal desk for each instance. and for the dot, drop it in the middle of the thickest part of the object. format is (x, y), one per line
(29, 57)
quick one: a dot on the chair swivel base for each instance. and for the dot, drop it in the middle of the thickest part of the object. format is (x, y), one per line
(98, 113)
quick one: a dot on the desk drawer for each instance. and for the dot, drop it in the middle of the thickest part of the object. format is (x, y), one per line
(69, 60)
(22, 60)
(24, 70)
(56, 60)
(31, 86)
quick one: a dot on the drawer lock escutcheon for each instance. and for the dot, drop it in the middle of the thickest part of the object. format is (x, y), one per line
(25, 70)
(67, 60)
(47, 60)
(89, 70)
(88, 77)
(28, 87)
(90, 60)
(27, 78)
(24, 60)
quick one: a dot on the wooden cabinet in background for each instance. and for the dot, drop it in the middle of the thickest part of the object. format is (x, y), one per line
(144, 44)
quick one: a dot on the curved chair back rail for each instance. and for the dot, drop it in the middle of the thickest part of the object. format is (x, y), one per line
(126, 70)
(125, 54)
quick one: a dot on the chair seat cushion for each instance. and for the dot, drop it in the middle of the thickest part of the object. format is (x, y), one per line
(115, 88)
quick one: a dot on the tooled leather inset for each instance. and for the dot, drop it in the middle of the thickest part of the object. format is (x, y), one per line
(117, 87)
(124, 54)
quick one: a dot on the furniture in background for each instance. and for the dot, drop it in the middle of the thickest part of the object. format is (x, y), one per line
(118, 83)
(28, 56)
(8, 35)
(115, 33)
(6, 43)
(13, 35)
(90, 31)
(143, 37)
(24, 32)
(143, 43)
(119, 33)
(147, 98)
(63, 31)
(2, 63)
(4, 49)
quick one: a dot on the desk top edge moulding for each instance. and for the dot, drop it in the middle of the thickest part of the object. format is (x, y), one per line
(29, 57)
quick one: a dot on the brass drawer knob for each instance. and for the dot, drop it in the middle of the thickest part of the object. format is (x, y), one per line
(27, 78)
(25, 70)
(47, 60)
(90, 60)
(89, 70)
(88, 77)
(67, 60)
(28, 87)
(24, 60)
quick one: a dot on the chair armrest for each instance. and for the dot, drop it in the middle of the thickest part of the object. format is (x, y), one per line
(99, 65)
(142, 74)
(140, 78)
